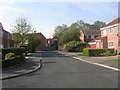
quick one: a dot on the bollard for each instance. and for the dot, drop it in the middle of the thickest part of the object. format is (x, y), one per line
(40, 62)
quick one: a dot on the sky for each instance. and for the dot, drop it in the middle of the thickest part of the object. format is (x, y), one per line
(44, 16)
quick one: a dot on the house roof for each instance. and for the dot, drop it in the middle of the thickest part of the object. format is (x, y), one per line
(117, 20)
(1, 28)
(98, 38)
(40, 35)
(91, 31)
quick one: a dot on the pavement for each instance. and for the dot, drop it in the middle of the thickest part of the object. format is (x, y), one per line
(33, 62)
(104, 60)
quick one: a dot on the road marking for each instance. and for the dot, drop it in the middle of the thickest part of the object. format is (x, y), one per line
(66, 55)
(102, 65)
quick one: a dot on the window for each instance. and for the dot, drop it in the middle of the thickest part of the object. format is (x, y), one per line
(104, 32)
(118, 28)
(86, 36)
(92, 36)
(89, 37)
(111, 44)
(1, 46)
(110, 30)
(119, 44)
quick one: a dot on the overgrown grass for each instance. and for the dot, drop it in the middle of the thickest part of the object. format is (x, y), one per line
(80, 54)
(114, 60)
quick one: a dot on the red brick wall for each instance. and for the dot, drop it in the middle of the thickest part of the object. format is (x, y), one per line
(42, 43)
(111, 37)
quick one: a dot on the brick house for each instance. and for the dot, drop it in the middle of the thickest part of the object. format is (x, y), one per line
(88, 35)
(4, 38)
(98, 43)
(42, 43)
(49, 41)
(110, 36)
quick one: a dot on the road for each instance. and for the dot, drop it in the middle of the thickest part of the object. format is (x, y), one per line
(60, 71)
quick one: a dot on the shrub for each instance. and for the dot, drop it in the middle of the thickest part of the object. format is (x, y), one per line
(73, 46)
(32, 48)
(10, 56)
(11, 60)
(86, 51)
(17, 51)
(98, 52)
(55, 43)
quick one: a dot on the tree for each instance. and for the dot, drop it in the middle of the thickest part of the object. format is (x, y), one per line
(72, 32)
(55, 43)
(20, 30)
(60, 30)
(33, 42)
(99, 24)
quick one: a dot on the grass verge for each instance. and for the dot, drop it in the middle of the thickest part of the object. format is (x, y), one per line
(114, 60)
(80, 54)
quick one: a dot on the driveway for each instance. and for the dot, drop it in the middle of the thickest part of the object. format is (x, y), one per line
(60, 71)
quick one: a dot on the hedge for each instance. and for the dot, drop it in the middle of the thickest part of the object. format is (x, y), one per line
(12, 56)
(26, 49)
(98, 52)
(73, 46)
(17, 51)
(11, 59)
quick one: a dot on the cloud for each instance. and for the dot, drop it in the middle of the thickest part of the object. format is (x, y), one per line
(7, 8)
(7, 1)
(97, 8)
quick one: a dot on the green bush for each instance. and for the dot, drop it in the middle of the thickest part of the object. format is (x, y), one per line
(11, 59)
(17, 51)
(10, 56)
(73, 46)
(32, 48)
(86, 51)
(55, 43)
(98, 52)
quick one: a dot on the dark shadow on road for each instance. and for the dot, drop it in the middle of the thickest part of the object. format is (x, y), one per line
(52, 54)
(48, 62)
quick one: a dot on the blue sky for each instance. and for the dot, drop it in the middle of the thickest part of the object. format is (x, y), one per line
(45, 16)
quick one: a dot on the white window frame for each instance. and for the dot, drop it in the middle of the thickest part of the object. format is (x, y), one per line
(92, 36)
(109, 44)
(1, 46)
(111, 30)
(104, 32)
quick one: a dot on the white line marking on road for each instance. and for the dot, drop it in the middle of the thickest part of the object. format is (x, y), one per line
(102, 65)
(66, 55)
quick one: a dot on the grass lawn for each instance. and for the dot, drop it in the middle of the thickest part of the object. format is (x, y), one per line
(80, 54)
(114, 60)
